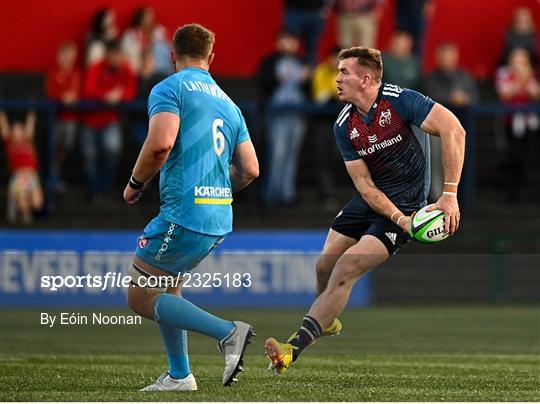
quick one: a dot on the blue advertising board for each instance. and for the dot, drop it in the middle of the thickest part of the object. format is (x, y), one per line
(250, 269)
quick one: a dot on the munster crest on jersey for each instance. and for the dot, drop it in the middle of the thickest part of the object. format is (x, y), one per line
(385, 118)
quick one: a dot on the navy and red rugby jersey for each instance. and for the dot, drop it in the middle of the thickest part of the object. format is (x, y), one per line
(386, 142)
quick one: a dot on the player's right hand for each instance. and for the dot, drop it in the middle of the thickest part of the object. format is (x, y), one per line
(405, 223)
(132, 195)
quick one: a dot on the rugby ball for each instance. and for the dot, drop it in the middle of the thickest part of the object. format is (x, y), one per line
(428, 227)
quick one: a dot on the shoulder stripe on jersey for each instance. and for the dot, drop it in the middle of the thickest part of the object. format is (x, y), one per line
(393, 90)
(390, 94)
(398, 89)
(343, 119)
(343, 111)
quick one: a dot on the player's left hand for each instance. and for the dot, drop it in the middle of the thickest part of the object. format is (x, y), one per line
(449, 205)
(132, 195)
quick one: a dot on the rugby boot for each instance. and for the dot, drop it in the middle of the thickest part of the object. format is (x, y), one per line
(280, 355)
(166, 383)
(232, 349)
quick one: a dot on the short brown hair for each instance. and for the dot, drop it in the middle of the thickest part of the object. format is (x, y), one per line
(193, 40)
(367, 57)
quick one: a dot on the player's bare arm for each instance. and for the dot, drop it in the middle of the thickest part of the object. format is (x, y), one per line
(374, 197)
(244, 167)
(441, 122)
(162, 133)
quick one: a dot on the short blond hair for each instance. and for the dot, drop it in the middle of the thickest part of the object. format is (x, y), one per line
(367, 57)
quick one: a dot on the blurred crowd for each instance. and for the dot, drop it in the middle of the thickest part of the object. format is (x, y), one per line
(121, 67)
(117, 68)
(114, 68)
(292, 76)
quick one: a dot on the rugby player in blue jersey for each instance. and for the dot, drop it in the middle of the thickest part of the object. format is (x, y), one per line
(198, 141)
(386, 162)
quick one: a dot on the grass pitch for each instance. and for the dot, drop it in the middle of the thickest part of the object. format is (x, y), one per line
(465, 353)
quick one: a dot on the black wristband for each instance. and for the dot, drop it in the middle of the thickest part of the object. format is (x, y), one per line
(136, 185)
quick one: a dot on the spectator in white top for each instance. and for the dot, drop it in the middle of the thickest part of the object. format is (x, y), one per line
(144, 35)
(104, 29)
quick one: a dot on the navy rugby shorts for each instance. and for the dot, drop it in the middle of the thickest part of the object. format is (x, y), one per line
(357, 219)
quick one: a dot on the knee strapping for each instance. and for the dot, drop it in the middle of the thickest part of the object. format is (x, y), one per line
(142, 279)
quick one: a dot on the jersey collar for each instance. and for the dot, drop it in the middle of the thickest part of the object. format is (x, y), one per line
(367, 118)
(198, 69)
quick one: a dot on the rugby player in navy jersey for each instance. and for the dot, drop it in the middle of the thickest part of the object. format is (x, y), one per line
(387, 164)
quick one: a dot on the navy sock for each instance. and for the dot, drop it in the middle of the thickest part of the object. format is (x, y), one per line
(308, 332)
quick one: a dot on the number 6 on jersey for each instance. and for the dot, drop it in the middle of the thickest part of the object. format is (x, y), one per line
(219, 138)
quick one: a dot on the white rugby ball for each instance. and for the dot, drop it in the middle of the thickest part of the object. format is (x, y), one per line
(428, 227)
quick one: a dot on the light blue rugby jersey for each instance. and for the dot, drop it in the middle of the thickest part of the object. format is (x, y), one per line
(195, 187)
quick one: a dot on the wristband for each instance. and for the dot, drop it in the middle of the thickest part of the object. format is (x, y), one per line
(454, 194)
(452, 183)
(393, 214)
(136, 185)
(399, 218)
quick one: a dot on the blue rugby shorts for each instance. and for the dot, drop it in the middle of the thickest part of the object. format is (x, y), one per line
(173, 248)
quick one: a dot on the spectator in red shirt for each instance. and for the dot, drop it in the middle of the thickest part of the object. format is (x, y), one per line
(517, 85)
(63, 85)
(24, 191)
(111, 81)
